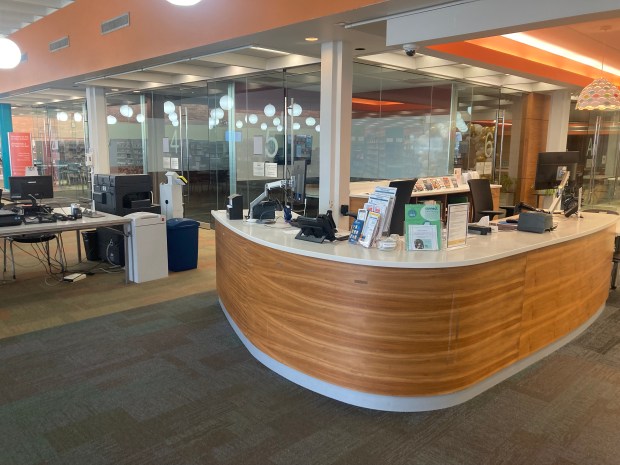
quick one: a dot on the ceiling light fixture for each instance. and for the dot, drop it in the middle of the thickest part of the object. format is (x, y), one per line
(527, 39)
(270, 50)
(311, 39)
(600, 94)
(10, 54)
(183, 2)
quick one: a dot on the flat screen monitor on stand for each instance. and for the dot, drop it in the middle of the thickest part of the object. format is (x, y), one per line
(31, 187)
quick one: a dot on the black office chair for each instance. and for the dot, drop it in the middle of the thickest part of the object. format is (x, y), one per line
(615, 259)
(482, 199)
(44, 240)
(404, 189)
(403, 196)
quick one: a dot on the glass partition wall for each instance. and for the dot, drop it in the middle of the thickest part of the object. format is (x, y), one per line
(225, 137)
(58, 138)
(410, 125)
(232, 136)
(596, 136)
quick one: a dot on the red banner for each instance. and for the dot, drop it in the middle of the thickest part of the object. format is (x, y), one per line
(20, 152)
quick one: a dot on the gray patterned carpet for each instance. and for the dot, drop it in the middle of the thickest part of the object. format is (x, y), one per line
(172, 384)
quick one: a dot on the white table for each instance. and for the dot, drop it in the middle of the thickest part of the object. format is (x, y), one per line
(77, 225)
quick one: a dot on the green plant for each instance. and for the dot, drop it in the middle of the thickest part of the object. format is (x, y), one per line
(506, 182)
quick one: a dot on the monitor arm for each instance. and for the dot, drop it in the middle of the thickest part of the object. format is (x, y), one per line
(282, 183)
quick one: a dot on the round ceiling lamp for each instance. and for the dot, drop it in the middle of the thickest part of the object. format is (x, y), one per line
(270, 110)
(239, 124)
(279, 128)
(263, 126)
(77, 117)
(253, 119)
(310, 121)
(225, 103)
(184, 2)
(173, 117)
(296, 126)
(276, 121)
(62, 116)
(317, 128)
(111, 119)
(169, 107)
(140, 118)
(295, 110)
(175, 123)
(219, 113)
(126, 111)
(10, 54)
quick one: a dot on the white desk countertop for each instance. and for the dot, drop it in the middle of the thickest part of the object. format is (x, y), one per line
(479, 249)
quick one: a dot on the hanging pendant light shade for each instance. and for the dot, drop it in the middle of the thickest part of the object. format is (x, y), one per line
(599, 95)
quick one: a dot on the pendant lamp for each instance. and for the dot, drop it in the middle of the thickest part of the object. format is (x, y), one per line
(10, 54)
(600, 94)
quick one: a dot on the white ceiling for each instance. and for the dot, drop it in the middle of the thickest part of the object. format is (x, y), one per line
(16, 14)
(243, 59)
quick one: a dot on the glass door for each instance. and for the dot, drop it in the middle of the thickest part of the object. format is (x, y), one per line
(596, 136)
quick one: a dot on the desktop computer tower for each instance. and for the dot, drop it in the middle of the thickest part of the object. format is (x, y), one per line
(111, 245)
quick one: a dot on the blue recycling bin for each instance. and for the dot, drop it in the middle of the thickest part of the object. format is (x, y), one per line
(182, 241)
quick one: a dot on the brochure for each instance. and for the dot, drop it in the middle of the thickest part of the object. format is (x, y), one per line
(357, 226)
(423, 226)
(458, 215)
(370, 229)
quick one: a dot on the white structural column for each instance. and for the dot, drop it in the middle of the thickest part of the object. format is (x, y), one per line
(559, 116)
(335, 145)
(98, 129)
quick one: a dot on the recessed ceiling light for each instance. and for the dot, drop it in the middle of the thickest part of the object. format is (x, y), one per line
(184, 2)
(311, 39)
(263, 49)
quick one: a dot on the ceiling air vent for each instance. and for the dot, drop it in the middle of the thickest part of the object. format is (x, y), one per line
(114, 24)
(59, 44)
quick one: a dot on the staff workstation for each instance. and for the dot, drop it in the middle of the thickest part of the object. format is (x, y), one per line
(411, 330)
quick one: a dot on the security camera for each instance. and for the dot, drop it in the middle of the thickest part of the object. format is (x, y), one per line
(410, 49)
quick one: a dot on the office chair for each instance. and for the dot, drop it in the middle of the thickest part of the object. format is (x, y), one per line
(615, 259)
(403, 196)
(44, 240)
(482, 199)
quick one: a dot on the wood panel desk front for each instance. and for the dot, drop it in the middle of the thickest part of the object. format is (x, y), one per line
(410, 330)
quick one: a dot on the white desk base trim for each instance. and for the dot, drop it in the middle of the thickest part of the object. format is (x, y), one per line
(397, 403)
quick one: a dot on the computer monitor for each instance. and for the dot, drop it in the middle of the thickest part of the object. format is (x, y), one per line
(551, 166)
(298, 172)
(27, 187)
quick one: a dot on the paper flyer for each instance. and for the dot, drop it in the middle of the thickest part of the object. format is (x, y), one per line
(423, 226)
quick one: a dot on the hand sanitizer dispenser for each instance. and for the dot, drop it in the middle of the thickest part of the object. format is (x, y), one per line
(171, 195)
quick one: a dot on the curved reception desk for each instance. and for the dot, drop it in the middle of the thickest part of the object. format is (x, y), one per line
(410, 330)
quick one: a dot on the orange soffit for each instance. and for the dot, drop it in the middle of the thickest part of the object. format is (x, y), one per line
(509, 54)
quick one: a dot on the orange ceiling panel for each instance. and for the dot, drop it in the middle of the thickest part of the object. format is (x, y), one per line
(510, 55)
